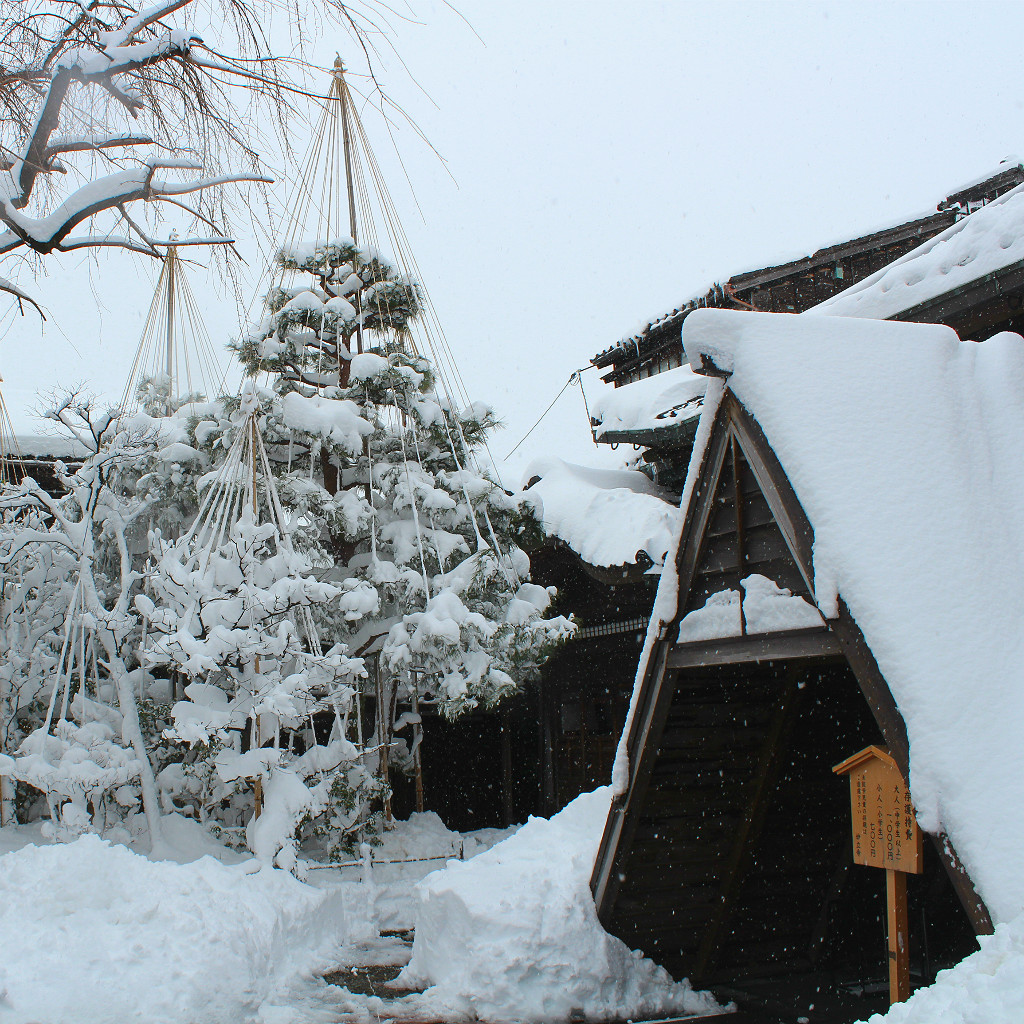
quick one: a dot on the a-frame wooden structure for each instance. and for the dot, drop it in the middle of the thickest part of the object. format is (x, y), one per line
(729, 850)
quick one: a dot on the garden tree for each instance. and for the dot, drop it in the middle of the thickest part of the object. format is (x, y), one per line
(88, 529)
(376, 473)
(35, 593)
(442, 544)
(225, 607)
(309, 334)
(109, 104)
(405, 563)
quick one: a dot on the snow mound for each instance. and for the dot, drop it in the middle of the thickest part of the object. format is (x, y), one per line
(985, 988)
(663, 400)
(606, 516)
(103, 934)
(767, 607)
(513, 934)
(988, 240)
(424, 836)
(905, 447)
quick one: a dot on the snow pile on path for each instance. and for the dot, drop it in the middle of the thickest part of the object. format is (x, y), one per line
(664, 400)
(988, 240)
(985, 988)
(606, 516)
(513, 934)
(423, 836)
(94, 932)
(905, 447)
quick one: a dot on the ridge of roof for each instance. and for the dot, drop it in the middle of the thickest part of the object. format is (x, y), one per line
(1009, 174)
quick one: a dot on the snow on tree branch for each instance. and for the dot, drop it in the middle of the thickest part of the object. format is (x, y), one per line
(110, 81)
(12, 289)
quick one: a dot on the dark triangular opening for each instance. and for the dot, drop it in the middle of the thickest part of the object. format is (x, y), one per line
(742, 536)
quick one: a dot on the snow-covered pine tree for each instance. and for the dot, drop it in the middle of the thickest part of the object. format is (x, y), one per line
(378, 478)
(228, 608)
(437, 538)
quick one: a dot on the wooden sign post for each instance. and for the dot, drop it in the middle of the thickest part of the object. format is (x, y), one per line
(885, 835)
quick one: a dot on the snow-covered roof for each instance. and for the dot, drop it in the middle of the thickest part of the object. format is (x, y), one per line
(905, 448)
(987, 241)
(667, 399)
(1006, 165)
(606, 516)
(40, 446)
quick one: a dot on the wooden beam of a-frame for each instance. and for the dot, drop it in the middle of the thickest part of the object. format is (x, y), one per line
(894, 731)
(790, 644)
(620, 828)
(655, 695)
(799, 537)
(771, 478)
(741, 546)
(698, 515)
(762, 786)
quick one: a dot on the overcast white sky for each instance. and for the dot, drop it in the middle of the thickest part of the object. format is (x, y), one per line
(613, 159)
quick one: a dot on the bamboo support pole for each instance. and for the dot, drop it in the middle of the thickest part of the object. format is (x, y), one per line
(341, 91)
(417, 739)
(172, 262)
(257, 741)
(383, 737)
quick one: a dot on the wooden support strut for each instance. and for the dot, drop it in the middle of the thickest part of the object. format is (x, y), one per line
(898, 930)
(737, 485)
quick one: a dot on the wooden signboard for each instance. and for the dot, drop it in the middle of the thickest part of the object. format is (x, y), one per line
(886, 835)
(885, 832)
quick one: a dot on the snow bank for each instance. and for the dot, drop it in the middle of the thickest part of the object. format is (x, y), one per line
(905, 447)
(606, 516)
(94, 932)
(986, 988)
(424, 836)
(663, 400)
(988, 240)
(513, 935)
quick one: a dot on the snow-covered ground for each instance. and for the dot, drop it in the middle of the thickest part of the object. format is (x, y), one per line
(538, 952)
(986, 988)
(93, 931)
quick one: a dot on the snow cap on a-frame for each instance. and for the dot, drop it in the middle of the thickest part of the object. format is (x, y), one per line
(905, 447)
